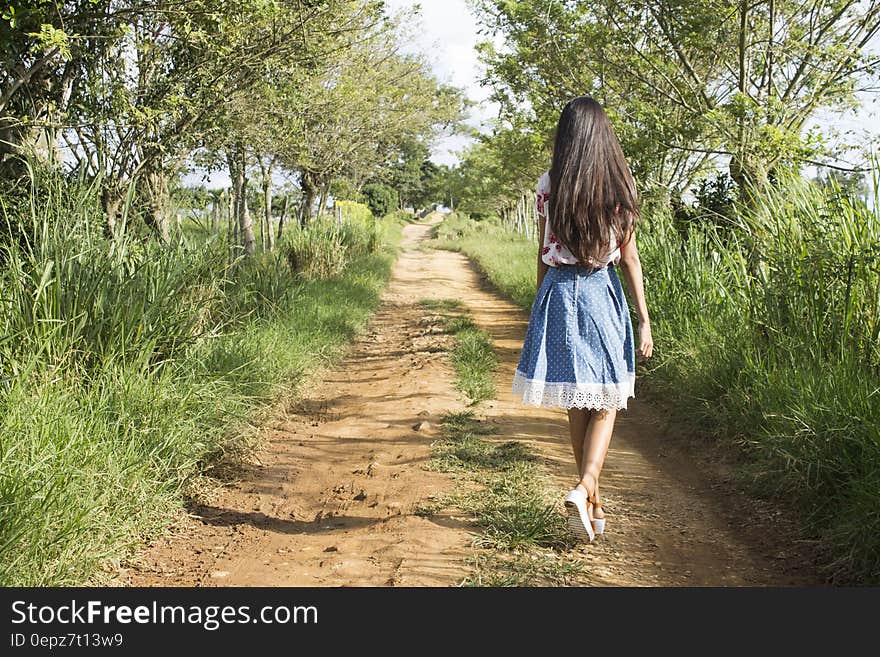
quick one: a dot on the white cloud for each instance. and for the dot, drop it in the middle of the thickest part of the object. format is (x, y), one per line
(448, 36)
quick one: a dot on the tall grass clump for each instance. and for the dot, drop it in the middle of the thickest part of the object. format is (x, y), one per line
(127, 366)
(473, 355)
(767, 335)
(321, 249)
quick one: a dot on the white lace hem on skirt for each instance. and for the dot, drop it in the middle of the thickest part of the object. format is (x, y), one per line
(574, 395)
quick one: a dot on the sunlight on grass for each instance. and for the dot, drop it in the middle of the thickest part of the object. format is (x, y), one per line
(473, 355)
(512, 503)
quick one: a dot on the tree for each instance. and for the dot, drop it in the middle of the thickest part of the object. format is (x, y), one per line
(361, 108)
(685, 82)
(406, 175)
(380, 199)
(138, 89)
(146, 81)
(39, 66)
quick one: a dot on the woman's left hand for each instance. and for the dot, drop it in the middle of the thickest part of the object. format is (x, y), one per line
(646, 341)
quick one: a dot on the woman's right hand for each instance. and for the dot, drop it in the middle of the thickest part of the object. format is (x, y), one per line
(646, 341)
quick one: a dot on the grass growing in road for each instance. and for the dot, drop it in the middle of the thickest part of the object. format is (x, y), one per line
(524, 541)
(524, 568)
(473, 356)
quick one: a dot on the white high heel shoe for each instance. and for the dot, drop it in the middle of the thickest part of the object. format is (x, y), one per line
(577, 517)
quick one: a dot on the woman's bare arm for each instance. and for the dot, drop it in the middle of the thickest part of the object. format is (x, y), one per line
(542, 266)
(631, 267)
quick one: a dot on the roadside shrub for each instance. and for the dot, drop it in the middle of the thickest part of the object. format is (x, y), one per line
(317, 251)
(381, 199)
(323, 248)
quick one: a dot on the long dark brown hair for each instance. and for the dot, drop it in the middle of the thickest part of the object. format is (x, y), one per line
(592, 193)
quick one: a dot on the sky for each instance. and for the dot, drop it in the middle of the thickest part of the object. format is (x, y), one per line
(448, 35)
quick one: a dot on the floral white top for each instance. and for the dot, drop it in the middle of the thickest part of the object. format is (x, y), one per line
(554, 252)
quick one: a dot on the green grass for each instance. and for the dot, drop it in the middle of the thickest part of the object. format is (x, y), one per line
(523, 568)
(129, 371)
(523, 540)
(767, 340)
(507, 260)
(473, 356)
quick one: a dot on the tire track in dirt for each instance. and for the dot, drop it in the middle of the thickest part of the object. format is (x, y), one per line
(334, 500)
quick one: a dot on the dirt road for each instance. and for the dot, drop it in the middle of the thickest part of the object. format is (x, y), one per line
(334, 500)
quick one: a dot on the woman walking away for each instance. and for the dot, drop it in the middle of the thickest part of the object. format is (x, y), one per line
(579, 351)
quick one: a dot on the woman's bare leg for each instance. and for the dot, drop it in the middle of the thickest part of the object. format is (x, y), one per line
(577, 428)
(590, 432)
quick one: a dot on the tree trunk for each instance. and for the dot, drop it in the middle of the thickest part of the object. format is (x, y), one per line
(247, 229)
(111, 202)
(741, 169)
(283, 216)
(236, 238)
(322, 200)
(246, 224)
(322, 205)
(234, 196)
(308, 186)
(267, 207)
(260, 217)
(160, 204)
(215, 213)
(230, 220)
(266, 170)
(240, 218)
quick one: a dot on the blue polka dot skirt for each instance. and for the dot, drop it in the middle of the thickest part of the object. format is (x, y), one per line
(579, 350)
